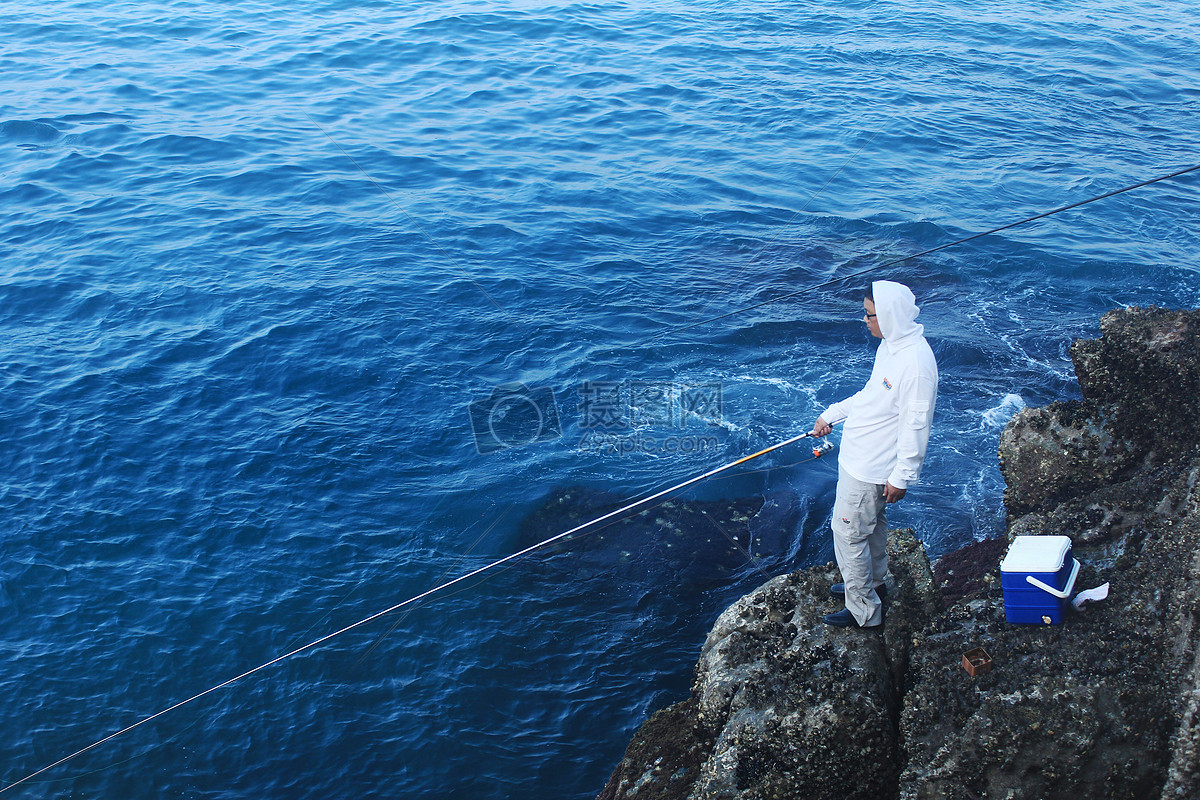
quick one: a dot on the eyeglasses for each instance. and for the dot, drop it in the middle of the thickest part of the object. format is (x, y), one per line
(869, 316)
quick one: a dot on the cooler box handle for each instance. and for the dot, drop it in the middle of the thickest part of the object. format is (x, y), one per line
(1066, 591)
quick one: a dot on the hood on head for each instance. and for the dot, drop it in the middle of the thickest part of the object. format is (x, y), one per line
(896, 309)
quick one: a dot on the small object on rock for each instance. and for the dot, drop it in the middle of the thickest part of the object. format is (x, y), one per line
(976, 662)
(1090, 596)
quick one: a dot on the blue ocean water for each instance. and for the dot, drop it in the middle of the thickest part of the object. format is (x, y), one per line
(264, 267)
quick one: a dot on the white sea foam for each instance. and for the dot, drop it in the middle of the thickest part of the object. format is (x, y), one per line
(998, 416)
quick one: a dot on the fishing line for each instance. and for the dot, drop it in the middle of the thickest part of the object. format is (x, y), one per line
(789, 465)
(750, 558)
(329, 611)
(893, 261)
(463, 557)
(738, 545)
(596, 528)
(817, 452)
(416, 599)
(136, 756)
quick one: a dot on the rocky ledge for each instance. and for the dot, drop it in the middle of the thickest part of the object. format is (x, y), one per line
(1106, 705)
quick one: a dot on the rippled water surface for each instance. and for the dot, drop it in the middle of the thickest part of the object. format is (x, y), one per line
(263, 266)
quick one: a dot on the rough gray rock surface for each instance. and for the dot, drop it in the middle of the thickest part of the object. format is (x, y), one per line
(1085, 709)
(1106, 705)
(1100, 465)
(784, 706)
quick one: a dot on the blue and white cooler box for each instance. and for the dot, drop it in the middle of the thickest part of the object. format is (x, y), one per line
(1038, 575)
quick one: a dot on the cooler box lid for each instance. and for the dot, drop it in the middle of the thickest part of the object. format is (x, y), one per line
(1036, 554)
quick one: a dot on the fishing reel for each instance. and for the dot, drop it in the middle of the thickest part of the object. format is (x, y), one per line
(821, 447)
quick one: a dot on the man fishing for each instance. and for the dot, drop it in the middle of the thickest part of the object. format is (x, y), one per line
(883, 446)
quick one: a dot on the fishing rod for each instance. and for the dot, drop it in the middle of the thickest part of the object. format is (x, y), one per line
(820, 448)
(893, 261)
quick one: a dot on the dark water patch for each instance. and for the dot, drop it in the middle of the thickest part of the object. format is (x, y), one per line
(675, 544)
(192, 150)
(29, 134)
(29, 194)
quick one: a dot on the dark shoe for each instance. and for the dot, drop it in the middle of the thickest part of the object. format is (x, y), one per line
(839, 590)
(843, 619)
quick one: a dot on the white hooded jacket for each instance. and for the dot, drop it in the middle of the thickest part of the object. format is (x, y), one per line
(888, 420)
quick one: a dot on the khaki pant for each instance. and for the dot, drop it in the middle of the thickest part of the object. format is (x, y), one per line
(860, 545)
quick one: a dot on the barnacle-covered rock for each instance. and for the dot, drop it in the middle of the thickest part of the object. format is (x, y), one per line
(783, 706)
(1106, 705)
(1136, 427)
